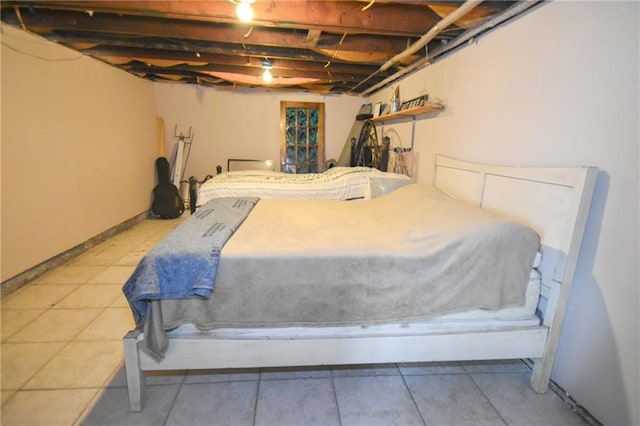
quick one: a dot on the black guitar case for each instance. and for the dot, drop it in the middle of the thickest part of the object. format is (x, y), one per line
(167, 203)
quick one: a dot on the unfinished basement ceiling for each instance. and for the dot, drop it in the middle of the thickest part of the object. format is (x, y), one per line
(328, 46)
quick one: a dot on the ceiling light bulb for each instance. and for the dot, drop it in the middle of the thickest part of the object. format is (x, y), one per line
(244, 12)
(266, 76)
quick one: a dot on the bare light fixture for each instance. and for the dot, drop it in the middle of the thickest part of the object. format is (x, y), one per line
(266, 75)
(244, 10)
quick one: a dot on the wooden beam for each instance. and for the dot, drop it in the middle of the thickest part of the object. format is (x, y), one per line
(392, 18)
(312, 38)
(281, 72)
(122, 26)
(131, 54)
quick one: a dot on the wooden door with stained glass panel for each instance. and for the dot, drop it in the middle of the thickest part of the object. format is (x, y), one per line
(302, 127)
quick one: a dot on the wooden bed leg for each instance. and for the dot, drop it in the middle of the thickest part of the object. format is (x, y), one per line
(135, 377)
(540, 376)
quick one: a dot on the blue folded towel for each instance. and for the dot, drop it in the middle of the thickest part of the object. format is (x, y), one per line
(185, 263)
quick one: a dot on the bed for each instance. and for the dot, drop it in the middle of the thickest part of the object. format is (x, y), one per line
(512, 309)
(336, 183)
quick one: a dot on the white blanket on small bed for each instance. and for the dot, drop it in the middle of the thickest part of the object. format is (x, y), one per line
(337, 183)
(407, 255)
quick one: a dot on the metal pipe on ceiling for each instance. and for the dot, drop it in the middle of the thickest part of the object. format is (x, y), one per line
(468, 35)
(420, 63)
(493, 21)
(434, 31)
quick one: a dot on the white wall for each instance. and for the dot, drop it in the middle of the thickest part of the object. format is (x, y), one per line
(78, 146)
(559, 86)
(242, 123)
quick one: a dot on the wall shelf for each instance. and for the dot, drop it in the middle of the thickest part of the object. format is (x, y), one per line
(409, 114)
(413, 113)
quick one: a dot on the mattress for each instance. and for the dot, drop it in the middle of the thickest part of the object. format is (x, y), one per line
(459, 322)
(337, 183)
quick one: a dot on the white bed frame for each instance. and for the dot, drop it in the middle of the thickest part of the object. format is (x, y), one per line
(553, 201)
(239, 164)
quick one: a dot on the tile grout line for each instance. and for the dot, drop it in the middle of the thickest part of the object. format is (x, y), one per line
(255, 404)
(335, 396)
(21, 388)
(470, 375)
(174, 399)
(6, 340)
(67, 343)
(415, 404)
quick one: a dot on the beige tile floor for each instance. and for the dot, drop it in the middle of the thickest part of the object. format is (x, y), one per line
(62, 364)
(62, 333)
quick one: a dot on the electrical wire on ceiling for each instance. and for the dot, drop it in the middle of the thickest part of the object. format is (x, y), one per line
(22, 52)
(336, 51)
(369, 5)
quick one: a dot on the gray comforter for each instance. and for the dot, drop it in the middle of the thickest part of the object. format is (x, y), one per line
(405, 256)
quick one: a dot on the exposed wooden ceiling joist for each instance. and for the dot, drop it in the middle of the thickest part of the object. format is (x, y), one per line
(324, 46)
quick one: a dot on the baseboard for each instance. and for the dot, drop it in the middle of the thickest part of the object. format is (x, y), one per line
(573, 404)
(12, 284)
(569, 401)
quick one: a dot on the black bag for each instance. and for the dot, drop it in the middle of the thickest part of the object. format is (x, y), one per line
(167, 203)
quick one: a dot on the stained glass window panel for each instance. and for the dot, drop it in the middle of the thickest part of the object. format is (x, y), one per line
(302, 154)
(291, 117)
(302, 117)
(291, 154)
(302, 135)
(302, 130)
(291, 135)
(313, 136)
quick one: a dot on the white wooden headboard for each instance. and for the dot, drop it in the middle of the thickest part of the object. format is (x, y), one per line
(554, 201)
